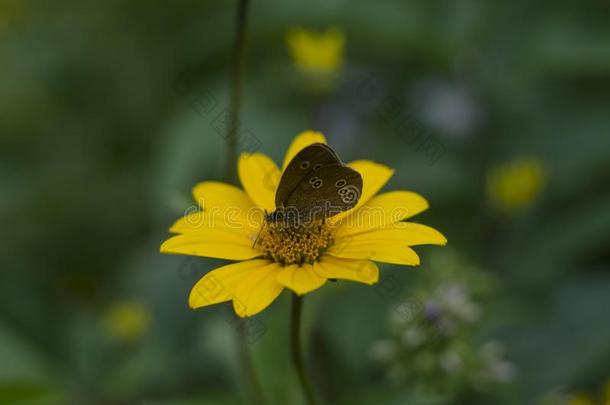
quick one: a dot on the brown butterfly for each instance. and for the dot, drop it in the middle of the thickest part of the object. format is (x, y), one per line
(315, 185)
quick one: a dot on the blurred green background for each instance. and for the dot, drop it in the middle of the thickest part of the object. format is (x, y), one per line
(107, 113)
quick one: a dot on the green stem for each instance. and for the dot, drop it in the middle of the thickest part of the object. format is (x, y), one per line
(255, 391)
(295, 343)
(253, 386)
(236, 88)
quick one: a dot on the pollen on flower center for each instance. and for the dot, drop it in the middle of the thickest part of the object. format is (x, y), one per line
(293, 244)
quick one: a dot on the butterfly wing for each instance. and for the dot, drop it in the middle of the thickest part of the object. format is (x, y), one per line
(309, 160)
(325, 192)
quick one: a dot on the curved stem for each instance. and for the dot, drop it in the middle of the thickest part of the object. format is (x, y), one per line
(295, 343)
(253, 386)
(236, 87)
(255, 391)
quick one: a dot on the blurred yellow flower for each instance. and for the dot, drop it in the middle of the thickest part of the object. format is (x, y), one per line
(516, 185)
(316, 52)
(606, 392)
(269, 258)
(581, 399)
(10, 12)
(586, 399)
(126, 320)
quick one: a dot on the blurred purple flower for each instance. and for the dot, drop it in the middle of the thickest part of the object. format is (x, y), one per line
(452, 108)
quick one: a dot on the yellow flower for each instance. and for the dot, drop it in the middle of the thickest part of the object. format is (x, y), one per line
(606, 393)
(516, 185)
(10, 13)
(126, 321)
(581, 399)
(314, 52)
(343, 247)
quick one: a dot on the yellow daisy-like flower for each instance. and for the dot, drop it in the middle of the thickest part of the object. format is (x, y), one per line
(12, 12)
(314, 52)
(516, 185)
(606, 392)
(231, 225)
(581, 399)
(127, 320)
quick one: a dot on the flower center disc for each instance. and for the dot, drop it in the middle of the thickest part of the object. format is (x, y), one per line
(293, 244)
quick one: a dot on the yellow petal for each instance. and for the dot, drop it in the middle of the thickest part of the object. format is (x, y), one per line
(219, 284)
(231, 220)
(257, 291)
(217, 196)
(363, 271)
(302, 140)
(300, 279)
(374, 177)
(260, 177)
(417, 234)
(380, 252)
(404, 233)
(224, 205)
(381, 210)
(388, 244)
(217, 243)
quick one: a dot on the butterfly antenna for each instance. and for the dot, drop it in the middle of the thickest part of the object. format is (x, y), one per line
(256, 240)
(259, 232)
